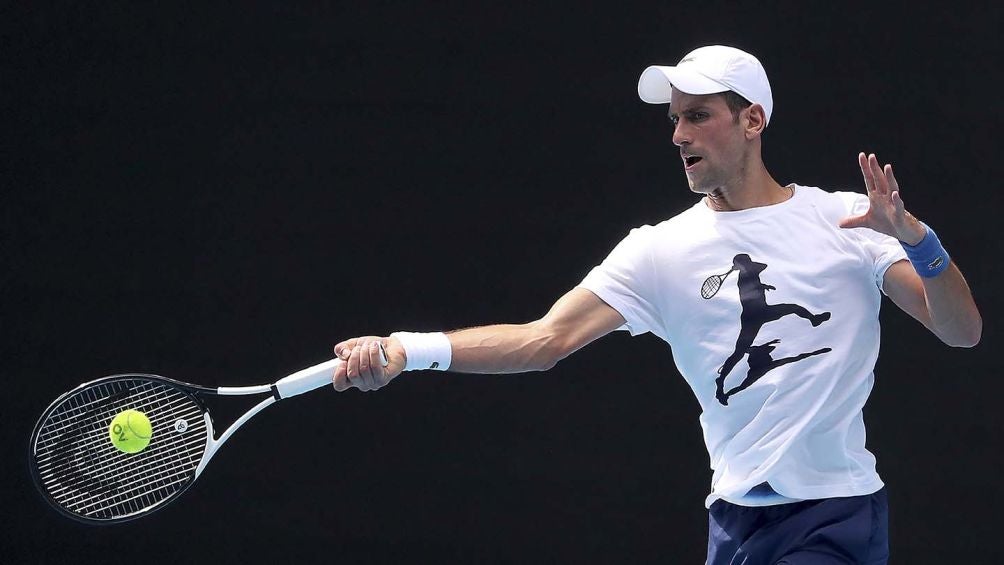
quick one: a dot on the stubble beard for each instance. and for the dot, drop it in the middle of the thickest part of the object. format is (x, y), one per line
(704, 184)
(712, 181)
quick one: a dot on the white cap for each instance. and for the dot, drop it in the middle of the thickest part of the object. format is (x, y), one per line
(707, 70)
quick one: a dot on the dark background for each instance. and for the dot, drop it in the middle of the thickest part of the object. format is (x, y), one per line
(219, 194)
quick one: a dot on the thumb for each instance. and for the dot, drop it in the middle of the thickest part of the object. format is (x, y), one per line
(854, 222)
(396, 354)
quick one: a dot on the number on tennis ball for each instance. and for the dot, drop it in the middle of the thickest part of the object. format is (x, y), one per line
(130, 431)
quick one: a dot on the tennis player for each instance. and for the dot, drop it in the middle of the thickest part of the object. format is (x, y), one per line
(780, 355)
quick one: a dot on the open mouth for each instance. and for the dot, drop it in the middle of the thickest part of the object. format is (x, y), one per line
(691, 160)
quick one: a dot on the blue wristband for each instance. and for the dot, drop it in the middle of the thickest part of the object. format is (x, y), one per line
(928, 257)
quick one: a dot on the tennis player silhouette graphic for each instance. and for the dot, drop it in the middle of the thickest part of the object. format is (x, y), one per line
(755, 313)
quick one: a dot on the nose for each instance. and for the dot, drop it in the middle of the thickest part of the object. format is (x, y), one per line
(681, 133)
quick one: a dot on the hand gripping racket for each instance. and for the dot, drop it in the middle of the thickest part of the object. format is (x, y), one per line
(82, 474)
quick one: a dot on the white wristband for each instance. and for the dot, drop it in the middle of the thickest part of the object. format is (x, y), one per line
(425, 350)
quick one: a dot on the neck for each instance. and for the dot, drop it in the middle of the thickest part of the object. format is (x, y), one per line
(752, 188)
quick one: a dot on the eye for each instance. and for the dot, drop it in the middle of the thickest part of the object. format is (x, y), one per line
(699, 116)
(674, 118)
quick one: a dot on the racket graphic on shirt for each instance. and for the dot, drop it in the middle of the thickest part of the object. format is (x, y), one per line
(83, 476)
(713, 284)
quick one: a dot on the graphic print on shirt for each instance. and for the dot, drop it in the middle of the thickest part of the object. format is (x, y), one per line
(755, 313)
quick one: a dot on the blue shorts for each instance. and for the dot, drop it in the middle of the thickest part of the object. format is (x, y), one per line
(852, 530)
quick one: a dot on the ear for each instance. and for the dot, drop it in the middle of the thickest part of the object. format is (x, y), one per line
(755, 121)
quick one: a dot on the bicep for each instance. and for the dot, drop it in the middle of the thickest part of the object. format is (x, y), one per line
(903, 286)
(578, 318)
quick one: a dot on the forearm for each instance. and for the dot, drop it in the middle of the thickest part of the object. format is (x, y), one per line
(951, 313)
(954, 317)
(576, 319)
(504, 348)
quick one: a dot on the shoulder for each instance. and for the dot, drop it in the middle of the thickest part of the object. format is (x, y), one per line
(834, 204)
(680, 223)
(697, 215)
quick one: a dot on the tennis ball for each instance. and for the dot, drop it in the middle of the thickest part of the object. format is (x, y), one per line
(130, 431)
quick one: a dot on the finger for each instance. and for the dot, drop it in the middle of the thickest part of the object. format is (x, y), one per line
(866, 172)
(878, 179)
(897, 201)
(352, 366)
(854, 221)
(890, 178)
(365, 368)
(377, 365)
(342, 349)
(340, 379)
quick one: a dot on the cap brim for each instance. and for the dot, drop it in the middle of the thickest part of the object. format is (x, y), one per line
(657, 83)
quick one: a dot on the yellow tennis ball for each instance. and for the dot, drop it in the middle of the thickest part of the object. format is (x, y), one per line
(130, 431)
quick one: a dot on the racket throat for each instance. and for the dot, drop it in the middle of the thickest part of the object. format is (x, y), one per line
(213, 445)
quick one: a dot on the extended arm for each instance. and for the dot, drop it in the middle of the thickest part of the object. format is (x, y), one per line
(943, 303)
(575, 320)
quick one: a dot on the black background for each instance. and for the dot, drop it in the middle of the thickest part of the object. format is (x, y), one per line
(219, 194)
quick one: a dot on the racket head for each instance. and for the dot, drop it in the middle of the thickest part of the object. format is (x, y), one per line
(83, 476)
(711, 286)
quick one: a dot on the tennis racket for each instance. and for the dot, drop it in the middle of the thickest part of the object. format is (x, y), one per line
(713, 284)
(83, 476)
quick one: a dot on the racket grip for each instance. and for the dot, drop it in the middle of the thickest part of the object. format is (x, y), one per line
(306, 380)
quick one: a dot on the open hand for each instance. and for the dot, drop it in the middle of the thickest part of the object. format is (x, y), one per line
(886, 212)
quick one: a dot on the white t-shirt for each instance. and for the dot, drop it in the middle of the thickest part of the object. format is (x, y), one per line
(794, 329)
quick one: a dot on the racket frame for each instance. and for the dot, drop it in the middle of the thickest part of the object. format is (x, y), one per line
(721, 280)
(297, 383)
(190, 390)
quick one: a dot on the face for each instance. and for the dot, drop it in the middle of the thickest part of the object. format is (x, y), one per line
(712, 142)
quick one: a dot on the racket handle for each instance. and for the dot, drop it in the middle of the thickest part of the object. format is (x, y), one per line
(306, 380)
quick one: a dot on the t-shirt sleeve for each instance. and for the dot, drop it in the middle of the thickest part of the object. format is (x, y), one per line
(882, 250)
(624, 280)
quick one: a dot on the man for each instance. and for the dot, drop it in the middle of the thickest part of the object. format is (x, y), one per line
(780, 356)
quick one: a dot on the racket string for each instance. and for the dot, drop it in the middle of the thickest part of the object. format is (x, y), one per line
(96, 442)
(149, 470)
(98, 395)
(84, 473)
